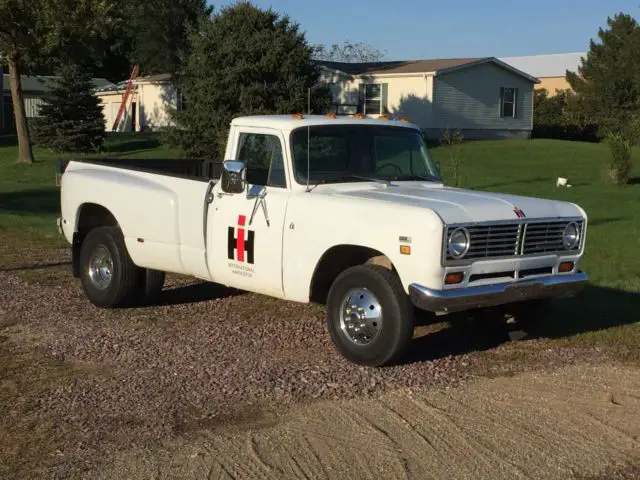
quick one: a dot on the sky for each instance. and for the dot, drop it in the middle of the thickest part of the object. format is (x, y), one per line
(422, 29)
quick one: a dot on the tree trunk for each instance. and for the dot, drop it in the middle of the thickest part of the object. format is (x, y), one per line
(25, 155)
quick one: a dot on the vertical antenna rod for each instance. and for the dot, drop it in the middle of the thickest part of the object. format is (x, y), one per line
(308, 139)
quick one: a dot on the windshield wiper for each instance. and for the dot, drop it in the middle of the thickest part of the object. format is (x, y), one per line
(352, 177)
(370, 179)
(418, 177)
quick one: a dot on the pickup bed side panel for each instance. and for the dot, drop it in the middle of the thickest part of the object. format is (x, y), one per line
(159, 215)
(316, 223)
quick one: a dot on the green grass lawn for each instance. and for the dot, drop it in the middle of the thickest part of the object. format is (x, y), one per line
(607, 312)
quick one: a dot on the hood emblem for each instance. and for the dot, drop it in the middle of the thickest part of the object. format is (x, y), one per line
(519, 213)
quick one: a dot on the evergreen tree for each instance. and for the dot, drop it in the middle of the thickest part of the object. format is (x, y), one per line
(243, 61)
(608, 81)
(71, 120)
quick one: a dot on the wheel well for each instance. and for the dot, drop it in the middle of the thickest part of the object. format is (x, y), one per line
(90, 216)
(336, 260)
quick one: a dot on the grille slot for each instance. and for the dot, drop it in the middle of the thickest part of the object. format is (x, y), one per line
(492, 241)
(515, 239)
(545, 237)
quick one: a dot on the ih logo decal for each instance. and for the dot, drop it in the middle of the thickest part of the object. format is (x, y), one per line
(519, 212)
(239, 247)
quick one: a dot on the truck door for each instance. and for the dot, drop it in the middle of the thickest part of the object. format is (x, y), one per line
(245, 229)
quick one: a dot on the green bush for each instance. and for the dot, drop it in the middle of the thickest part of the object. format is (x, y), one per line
(453, 140)
(620, 161)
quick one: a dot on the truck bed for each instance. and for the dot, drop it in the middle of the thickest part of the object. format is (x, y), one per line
(191, 168)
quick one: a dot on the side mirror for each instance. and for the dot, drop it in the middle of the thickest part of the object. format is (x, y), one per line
(233, 176)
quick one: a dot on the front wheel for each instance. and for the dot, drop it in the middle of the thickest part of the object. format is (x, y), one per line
(109, 277)
(370, 316)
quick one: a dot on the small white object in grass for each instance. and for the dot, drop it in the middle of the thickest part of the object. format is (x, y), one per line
(561, 182)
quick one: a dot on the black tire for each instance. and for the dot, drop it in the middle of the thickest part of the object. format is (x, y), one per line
(152, 282)
(396, 331)
(123, 286)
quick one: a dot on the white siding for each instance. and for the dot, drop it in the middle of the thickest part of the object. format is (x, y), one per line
(408, 96)
(153, 101)
(32, 104)
(469, 99)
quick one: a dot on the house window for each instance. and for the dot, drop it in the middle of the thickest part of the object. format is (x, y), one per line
(373, 98)
(508, 102)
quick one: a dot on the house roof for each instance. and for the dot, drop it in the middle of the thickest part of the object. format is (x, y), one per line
(438, 66)
(552, 65)
(42, 83)
(403, 66)
(121, 86)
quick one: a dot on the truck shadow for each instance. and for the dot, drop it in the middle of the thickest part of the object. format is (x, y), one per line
(31, 202)
(195, 293)
(593, 310)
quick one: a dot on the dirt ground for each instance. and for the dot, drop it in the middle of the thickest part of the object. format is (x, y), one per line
(213, 383)
(574, 421)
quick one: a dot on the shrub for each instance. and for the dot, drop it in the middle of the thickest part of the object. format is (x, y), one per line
(620, 160)
(453, 140)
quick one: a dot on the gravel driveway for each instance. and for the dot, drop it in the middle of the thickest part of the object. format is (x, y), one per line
(80, 385)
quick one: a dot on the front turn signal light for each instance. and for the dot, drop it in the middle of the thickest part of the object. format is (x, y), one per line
(453, 278)
(565, 267)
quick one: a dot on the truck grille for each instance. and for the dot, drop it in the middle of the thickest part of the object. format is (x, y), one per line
(514, 239)
(493, 240)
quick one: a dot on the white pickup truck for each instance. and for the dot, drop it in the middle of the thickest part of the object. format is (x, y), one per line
(349, 212)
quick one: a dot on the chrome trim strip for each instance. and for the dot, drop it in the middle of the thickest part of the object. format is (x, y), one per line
(455, 300)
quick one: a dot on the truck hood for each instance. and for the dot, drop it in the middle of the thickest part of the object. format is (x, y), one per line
(456, 205)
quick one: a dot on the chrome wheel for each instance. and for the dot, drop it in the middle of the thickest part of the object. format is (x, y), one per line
(100, 267)
(361, 316)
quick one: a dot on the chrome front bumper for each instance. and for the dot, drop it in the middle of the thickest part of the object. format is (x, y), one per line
(456, 300)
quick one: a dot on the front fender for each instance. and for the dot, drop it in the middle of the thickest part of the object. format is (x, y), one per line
(316, 224)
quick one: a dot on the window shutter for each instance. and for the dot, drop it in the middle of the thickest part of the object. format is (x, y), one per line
(515, 102)
(384, 95)
(501, 107)
(360, 108)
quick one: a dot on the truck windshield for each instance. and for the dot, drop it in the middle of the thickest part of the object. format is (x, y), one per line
(352, 153)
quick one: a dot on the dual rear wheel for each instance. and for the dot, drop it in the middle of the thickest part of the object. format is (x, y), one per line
(109, 277)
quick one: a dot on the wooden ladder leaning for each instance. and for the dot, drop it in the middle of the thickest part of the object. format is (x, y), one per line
(125, 99)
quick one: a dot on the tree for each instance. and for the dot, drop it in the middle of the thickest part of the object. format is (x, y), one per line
(19, 42)
(348, 52)
(71, 119)
(243, 61)
(160, 31)
(48, 32)
(607, 82)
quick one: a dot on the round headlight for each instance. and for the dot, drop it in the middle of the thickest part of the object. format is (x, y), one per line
(458, 243)
(571, 236)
